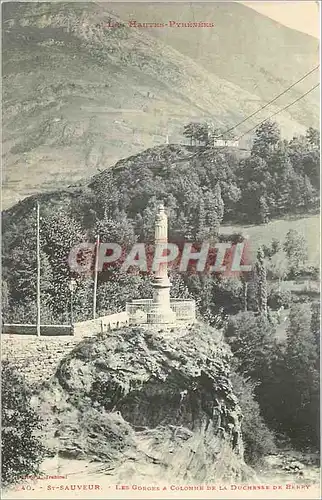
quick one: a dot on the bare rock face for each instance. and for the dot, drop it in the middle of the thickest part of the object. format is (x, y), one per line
(151, 404)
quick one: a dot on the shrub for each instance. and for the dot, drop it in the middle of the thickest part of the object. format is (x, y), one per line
(22, 451)
(258, 439)
(279, 298)
(309, 272)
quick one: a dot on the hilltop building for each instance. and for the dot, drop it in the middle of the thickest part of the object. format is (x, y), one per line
(229, 143)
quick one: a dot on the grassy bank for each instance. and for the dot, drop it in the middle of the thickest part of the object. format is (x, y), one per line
(263, 234)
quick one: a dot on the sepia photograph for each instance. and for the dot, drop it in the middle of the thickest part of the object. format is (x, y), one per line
(160, 244)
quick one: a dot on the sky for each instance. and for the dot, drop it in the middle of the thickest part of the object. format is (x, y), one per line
(299, 15)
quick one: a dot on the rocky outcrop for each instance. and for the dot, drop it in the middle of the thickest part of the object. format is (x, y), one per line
(155, 404)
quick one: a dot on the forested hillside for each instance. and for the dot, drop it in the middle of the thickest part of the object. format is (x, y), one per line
(202, 187)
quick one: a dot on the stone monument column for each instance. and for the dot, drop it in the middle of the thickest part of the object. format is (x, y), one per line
(161, 311)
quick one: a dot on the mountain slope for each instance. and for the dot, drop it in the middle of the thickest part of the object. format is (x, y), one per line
(77, 97)
(244, 47)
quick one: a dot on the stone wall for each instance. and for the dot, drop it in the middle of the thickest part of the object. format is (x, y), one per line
(101, 324)
(36, 357)
(25, 329)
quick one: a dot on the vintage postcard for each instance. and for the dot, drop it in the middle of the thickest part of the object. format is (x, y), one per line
(160, 250)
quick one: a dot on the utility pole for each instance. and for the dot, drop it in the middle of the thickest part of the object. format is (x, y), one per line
(95, 275)
(72, 287)
(38, 271)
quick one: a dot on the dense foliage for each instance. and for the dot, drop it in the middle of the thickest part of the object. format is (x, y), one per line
(286, 373)
(279, 177)
(258, 439)
(21, 448)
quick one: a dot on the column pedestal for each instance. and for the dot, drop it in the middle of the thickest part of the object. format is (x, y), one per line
(161, 311)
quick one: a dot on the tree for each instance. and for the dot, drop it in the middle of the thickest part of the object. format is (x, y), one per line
(22, 278)
(304, 152)
(301, 414)
(231, 195)
(274, 248)
(300, 348)
(245, 280)
(26, 311)
(254, 180)
(178, 287)
(189, 131)
(298, 147)
(308, 193)
(296, 250)
(214, 209)
(261, 282)
(4, 301)
(202, 232)
(267, 135)
(82, 300)
(315, 324)
(196, 132)
(202, 133)
(22, 451)
(250, 337)
(263, 210)
(279, 298)
(278, 265)
(313, 136)
(201, 287)
(257, 438)
(118, 229)
(285, 188)
(22, 262)
(228, 294)
(120, 287)
(60, 233)
(301, 195)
